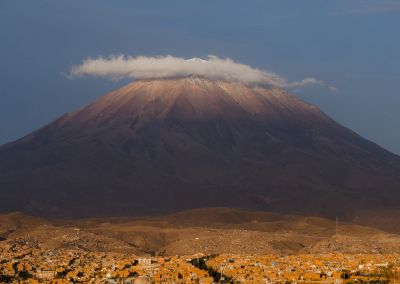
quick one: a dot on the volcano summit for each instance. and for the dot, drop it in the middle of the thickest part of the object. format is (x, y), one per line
(163, 145)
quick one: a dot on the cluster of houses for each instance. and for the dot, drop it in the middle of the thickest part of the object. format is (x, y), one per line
(326, 268)
(28, 262)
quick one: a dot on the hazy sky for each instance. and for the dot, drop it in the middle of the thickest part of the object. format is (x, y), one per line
(353, 45)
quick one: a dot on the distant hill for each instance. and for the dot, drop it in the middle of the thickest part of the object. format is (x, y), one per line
(209, 231)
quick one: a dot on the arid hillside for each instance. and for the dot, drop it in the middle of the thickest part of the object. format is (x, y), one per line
(209, 231)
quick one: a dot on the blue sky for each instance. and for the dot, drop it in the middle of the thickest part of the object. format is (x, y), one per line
(352, 45)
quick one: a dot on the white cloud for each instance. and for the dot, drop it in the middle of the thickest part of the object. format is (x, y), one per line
(309, 82)
(332, 89)
(305, 83)
(213, 67)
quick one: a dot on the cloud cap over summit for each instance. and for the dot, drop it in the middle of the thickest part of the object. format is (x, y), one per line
(212, 67)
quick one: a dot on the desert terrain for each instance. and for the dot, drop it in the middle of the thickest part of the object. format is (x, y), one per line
(207, 230)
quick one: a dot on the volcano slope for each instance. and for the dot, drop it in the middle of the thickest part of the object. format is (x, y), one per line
(157, 146)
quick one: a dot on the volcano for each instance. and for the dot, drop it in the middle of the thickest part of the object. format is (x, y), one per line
(164, 145)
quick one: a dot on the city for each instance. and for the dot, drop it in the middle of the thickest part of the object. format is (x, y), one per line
(27, 262)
